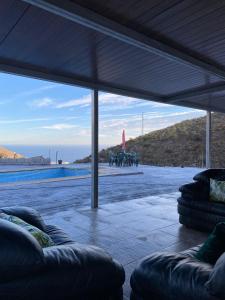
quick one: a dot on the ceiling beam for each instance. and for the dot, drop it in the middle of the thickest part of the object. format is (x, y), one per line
(27, 70)
(90, 19)
(11, 67)
(206, 90)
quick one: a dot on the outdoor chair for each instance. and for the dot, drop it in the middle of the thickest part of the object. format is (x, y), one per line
(123, 159)
(65, 270)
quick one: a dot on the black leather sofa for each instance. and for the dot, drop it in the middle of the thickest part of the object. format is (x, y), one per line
(194, 208)
(68, 270)
(178, 276)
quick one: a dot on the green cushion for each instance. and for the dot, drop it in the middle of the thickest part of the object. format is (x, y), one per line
(43, 239)
(214, 246)
(217, 190)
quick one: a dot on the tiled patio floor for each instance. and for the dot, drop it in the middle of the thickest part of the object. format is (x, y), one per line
(129, 230)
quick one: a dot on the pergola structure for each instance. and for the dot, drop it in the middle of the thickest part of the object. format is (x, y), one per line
(165, 51)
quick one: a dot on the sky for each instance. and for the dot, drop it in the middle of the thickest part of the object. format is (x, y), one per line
(36, 112)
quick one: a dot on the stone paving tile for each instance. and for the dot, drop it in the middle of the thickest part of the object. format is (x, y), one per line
(159, 238)
(181, 246)
(185, 234)
(128, 270)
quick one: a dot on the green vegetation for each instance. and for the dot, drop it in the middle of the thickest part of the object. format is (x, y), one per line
(182, 144)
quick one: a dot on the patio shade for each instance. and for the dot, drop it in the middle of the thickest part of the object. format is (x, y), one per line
(164, 51)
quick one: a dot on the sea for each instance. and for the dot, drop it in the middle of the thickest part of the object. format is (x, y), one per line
(68, 153)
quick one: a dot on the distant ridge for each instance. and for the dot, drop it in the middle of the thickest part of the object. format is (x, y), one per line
(182, 144)
(6, 153)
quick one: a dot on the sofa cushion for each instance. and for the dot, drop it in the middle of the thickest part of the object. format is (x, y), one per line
(20, 253)
(217, 190)
(195, 191)
(43, 239)
(215, 284)
(167, 275)
(214, 246)
(27, 214)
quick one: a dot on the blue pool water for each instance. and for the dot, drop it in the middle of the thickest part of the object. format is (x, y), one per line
(7, 177)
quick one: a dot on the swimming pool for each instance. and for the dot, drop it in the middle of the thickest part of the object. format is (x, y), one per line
(41, 174)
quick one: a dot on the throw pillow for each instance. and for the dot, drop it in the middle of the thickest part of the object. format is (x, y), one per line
(43, 239)
(217, 190)
(214, 246)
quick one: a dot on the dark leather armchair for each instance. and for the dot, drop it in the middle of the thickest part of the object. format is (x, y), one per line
(68, 270)
(194, 208)
(178, 276)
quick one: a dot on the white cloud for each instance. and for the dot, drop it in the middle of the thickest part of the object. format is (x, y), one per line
(124, 119)
(17, 121)
(86, 132)
(60, 126)
(128, 115)
(30, 92)
(37, 90)
(109, 101)
(75, 102)
(43, 102)
(33, 120)
(70, 118)
(85, 105)
(182, 113)
(159, 105)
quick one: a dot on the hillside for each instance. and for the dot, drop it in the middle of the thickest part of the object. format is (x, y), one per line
(182, 144)
(6, 153)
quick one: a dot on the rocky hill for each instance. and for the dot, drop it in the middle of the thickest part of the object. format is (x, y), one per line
(182, 144)
(6, 153)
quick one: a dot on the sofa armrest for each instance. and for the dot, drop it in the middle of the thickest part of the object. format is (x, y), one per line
(27, 214)
(20, 253)
(204, 176)
(195, 191)
(88, 266)
(215, 284)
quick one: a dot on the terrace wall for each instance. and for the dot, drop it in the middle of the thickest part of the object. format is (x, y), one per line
(38, 160)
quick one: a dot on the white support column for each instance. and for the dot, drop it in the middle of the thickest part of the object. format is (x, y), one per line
(208, 140)
(94, 163)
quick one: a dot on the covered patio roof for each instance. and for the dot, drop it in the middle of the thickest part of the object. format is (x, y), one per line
(165, 51)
